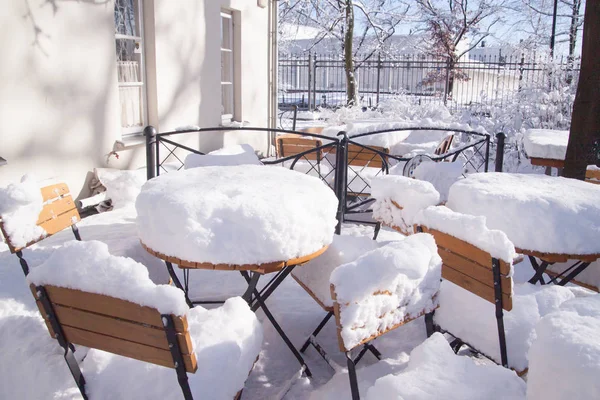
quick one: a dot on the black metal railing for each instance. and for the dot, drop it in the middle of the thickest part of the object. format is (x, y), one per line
(164, 152)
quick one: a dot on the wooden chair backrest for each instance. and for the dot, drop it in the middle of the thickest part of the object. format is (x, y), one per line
(366, 157)
(471, 268)
(444, 146)
(592, 176)
(58, 213)
(116, 326)
(290, 144)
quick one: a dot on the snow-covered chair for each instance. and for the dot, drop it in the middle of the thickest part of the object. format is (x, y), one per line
(310, 151)
(398, 199)
(29, 214)
(109, 305)
(478, 288)
(382, 290)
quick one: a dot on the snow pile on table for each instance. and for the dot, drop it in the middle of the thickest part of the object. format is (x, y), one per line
(88, 266)
(441, 175)
(546, 143)
(122, 186)
(473, 319)
(471, 229)
(435, 372)
(20, 207)
(567, 350)
(398, 199)
(241, 154)
(314, 275)
(236, 215)
(226, 341)
(537, 212)
(386, 286)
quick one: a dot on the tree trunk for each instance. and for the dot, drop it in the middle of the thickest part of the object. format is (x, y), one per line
(584, 137)
(573, 38)
(351, 92)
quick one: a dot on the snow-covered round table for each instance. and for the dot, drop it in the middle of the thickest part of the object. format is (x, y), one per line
(253, 219)
(551, 218)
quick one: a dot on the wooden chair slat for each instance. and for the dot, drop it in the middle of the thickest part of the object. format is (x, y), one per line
(475, 287)
(593, 174)
(312, 294)
(110, 306)
(444, 145)
(118, 328)
(547, 162)
(299, 141)
(61, 222)
(474, 270)
(126, 348)
(54, 191)
(290, 150)
(466, 250)
(56, 208)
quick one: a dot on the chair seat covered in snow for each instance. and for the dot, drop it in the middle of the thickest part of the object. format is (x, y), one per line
(478, 287)
(93, 299)
(398, 199)
(382, 290)
(29, 214)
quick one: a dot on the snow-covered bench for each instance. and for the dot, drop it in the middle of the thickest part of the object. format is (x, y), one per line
(29, 214)
(93, 299)
(367, 304)
(478, 287)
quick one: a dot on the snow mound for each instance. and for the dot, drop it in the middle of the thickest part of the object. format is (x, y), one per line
(435, 372)
(241, 154)
(20, 207)
(471, 229)
(88, 266)
(226, 341)
(408, 277)
(546, 143)
(411, 194)
(537, 212)
(236, 215)
(344, 249)
(441, 175)
(567, 349)
(122, 186)
(473, 319)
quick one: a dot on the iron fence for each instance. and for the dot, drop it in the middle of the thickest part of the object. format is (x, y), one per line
(310, 81)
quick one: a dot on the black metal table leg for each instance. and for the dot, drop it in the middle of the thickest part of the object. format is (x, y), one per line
(540, 269)
(178, 283)
(259, 300)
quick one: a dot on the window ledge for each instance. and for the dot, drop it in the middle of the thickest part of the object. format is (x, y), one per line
(234, 124)
(129, 142)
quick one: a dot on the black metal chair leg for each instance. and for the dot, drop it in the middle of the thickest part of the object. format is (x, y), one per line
(177, 283)
(316, 332)
(377, 229)
(374, 351)
(24, 265)
(429, 325)
(352, 377)
(75, 230)
(75, 371)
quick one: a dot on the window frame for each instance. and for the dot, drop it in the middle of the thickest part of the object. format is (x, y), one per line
(230, 48)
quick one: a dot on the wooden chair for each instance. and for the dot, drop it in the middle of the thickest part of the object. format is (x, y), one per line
(390, 319)
(58, 213)
(363, 164)
(444, 145)
(116, 326)
(592, 176)
(313, 155)
(475, 270)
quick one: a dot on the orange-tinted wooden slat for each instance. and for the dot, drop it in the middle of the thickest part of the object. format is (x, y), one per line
(119, 328)
(474, 270)
(475, 287)
(54, 191)
(466, 250)
(111, 306)
(61, 222)
(592, 174)
(444, 145)
(547, 162)
(300, 141)
(56, 208)
(128, 349)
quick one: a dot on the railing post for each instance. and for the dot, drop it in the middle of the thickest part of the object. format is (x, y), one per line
(378, 78)
(341, 170)
(150, 133)
(487, 152)
(295, 116)
(310, 79)
(500, 137)
(314, 101)
(447, 83)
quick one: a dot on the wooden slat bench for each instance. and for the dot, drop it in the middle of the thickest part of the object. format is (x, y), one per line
(116, 326)
(59, 212)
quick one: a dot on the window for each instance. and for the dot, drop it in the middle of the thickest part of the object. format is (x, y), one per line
(130, 65)
(227, 63)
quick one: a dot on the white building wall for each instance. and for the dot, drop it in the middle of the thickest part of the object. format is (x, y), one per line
(59, 105)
